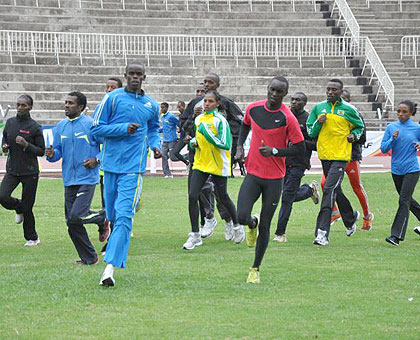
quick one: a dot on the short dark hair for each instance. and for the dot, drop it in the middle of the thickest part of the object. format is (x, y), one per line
(81, 98)
(135, 62)
(164, 104)
(181, 102)
(336, 80)
(281, 79)
(216, 76)
(305, 98)
(117, 80)
(411, 105)
(28, 98)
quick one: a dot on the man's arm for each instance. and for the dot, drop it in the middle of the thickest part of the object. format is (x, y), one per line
(4, 145)
(153, 136)
(38, 147)
(313, 124)
(359, 126)
(54, 152)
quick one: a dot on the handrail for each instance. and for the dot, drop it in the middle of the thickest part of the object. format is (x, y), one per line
(400, 3)
(33, 48)
(410, 47)
(378, 70)
(187, 3)
(205, 46)
(9, 48)
(346, 13)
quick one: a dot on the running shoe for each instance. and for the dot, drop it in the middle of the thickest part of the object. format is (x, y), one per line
(336, 216)
(32, 243)
(105, 231)
(393, 240)
(315, 191)
(253, 276)
(321, 238)
(417, 230)
(252, 234)
(194, 240)
(208, 227)
(353, 228)
(238, 233)
(367, 221)
(280, 238)
(18, 218)
(107, 278)
(229, 231)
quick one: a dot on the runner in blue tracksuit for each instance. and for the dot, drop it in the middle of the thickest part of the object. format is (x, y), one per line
(79, 152)
(124, 118)
(403, 138)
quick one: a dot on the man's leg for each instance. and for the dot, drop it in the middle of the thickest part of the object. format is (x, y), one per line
(127, 191)
(175, 153)
(249, 193)
(355, 178)
(29, 187)
(165, 157)
(8, 184)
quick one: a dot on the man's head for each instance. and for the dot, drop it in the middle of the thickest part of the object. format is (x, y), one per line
(211, 81)
(346, 96)
(164, 107)
(298, 102)
(24, 104)
(180, 106)
(200, 90)
(74, 104)
(135, 74)
(334, 90)
(276, 91)
(112, 84)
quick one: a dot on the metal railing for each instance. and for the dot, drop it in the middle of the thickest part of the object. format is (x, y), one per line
(378, 70)
(399, 2)
(346, 13)
(166, 4)
(410, 47)
(192, 46)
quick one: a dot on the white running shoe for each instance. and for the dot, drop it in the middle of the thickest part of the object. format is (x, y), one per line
(194, 240)
(18, 218)
(280, 238)
(315, 191)
(32, 243)
(238, 233)
(417, 230)
(353, 228)
(208, 227)
(321, 238)
(229, 231)
(107, 278)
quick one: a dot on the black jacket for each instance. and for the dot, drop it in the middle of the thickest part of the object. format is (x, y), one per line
(303, 159)
(23, 161)
(357, 147)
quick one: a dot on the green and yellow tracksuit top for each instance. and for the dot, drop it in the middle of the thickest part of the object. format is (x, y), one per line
(212, 144)
(342, 119)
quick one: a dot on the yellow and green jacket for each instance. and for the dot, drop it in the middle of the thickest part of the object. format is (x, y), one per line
(342, 119)
(213, 142)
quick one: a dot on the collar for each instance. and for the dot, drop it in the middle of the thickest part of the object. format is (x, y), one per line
(74, 119)
(23, 117)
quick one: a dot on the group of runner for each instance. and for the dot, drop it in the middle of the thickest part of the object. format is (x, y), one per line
(126, 124)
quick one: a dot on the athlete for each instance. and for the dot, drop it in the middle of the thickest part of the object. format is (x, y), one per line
(273, 126)
(212, 143)
(24, 142)
(124, 118)
(337, 125)
(112, 84)
(79, 151)
(355, 177)
(295, 170)
(169, 137)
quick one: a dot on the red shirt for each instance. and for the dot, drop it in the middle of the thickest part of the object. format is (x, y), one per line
(276, 128)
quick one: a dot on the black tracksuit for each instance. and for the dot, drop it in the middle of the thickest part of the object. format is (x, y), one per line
(22, 167)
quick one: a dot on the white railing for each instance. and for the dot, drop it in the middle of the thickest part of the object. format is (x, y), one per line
(192, 46)
(346, 13)
(167, 3)
(378, 70)
(399, 2)
(410, 47)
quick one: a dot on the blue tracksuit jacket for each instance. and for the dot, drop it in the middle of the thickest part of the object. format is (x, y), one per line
(74, 143)
(169, 125)
(123, 151)
(404, 155)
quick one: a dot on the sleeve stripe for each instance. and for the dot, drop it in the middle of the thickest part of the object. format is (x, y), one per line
(99, 110)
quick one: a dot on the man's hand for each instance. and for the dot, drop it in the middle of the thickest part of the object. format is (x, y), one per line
(157, 153)
(90, 163)
(240, 154)
(132, 127)
(197, 111)
(417, 146)
(187, 139)
(21, 141)
(322, 118)
(351, 138)
(265, 150)
(5, 148)
(395, 134)
(49, 152)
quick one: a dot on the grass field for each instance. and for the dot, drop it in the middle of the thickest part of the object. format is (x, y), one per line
(355, 288)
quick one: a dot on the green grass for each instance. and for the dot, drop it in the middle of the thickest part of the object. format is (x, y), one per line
(355, 288)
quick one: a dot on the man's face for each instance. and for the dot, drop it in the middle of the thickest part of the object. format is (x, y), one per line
(210, 83)
(334, 91)
(22, 106)
(71, 107)
(163, 108)
(135, 75)
(403, 113)
(111, 85)
(200, 91)
(277, 90)
(297, 103)
(180, 107)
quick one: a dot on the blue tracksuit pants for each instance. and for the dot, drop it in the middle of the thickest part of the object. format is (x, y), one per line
(122, 194)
